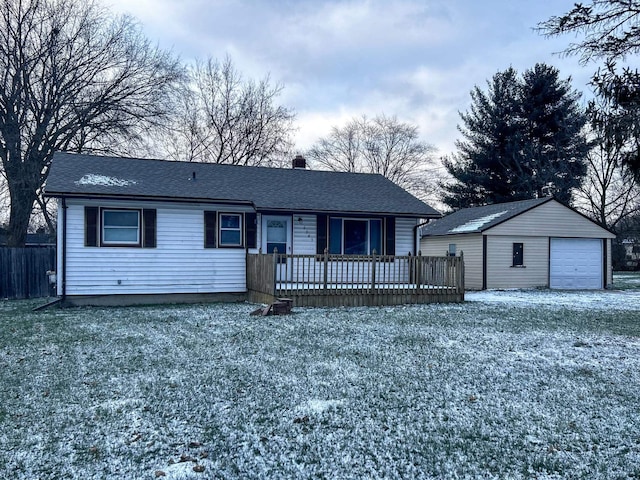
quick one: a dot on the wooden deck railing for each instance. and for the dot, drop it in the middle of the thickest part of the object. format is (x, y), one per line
(287, 275)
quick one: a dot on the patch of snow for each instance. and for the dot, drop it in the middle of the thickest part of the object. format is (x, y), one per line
(580, 300)
(473, 225)
(103, 180)
(320, 406)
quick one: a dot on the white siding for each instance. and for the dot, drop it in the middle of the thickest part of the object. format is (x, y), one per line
(304, 234)
(179, 263)
(535, 269)
(470, 245)
(551, 219)
(405, 240)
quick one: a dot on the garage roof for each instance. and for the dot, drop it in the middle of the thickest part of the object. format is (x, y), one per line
(479, 219)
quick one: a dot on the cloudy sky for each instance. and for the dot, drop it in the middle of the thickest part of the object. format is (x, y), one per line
(414, 59)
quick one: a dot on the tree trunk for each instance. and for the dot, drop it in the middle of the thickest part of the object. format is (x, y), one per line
(22, 198)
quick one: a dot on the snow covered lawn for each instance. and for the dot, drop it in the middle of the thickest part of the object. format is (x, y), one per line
(508, 385)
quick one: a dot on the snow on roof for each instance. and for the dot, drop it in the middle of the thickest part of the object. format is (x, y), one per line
(477, 223)
(93, 179)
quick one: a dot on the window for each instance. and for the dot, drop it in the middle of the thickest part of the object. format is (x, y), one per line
(351, 236)
(120, 227)
(518, 255)
(112, 227)
(230, 234)
(452, 250)
(276, 236)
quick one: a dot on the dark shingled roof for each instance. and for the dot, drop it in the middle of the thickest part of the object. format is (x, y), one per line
(76, 175)
(479, 219)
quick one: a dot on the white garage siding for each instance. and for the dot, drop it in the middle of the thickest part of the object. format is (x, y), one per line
(554, 220)
(551, 219)
(179, 263)
(470, 244)
(500, 270)
(576, 263)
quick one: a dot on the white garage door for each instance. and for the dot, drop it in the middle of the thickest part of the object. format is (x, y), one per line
(576, 263)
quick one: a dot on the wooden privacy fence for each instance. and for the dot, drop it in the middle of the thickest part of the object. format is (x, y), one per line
(23, 271)
(321, 280)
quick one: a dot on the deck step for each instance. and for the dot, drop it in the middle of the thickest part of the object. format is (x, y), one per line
(282, 306)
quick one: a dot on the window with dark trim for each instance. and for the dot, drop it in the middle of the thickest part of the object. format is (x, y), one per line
(355, 236)
(230, 230)
(120, 227)
(518, 255)
(452, 250)
(380, 235)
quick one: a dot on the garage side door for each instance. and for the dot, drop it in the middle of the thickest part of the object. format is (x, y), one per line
(576, 263)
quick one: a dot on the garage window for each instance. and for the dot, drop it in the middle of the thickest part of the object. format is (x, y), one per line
(518, 255)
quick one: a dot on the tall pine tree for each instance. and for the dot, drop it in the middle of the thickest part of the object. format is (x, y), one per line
(520, 136)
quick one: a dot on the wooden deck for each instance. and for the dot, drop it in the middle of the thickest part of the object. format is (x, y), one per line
(354, 280)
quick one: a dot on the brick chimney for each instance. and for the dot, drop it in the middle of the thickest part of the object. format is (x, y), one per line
(299, 162)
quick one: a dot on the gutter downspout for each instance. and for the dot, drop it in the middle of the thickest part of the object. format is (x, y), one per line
(64, 249)
(416, 240)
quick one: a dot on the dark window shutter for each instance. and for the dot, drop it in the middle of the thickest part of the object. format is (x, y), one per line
(321, 234)
(91, 226)
(251, 229)
(209, 229)
(390, 235)
(149, 232)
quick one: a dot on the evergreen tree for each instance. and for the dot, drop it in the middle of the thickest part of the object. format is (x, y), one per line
(522, 138)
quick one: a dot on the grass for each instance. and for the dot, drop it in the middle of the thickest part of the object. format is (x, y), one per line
(626, 280)
(477, 390)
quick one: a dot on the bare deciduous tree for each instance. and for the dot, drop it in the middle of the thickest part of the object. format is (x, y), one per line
(381, 145)
(223, 118)
(609, 193)
(608, 31)
(72, 77)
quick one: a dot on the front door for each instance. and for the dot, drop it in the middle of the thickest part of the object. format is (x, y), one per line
(276, 234)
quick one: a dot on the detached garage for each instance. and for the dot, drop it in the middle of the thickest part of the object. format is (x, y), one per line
(524, 244)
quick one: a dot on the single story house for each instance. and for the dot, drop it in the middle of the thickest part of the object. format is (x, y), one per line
(523, 244)
(132, 230)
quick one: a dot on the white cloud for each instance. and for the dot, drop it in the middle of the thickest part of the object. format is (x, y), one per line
(339, 59)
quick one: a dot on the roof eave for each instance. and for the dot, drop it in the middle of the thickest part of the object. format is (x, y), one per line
(359, 212)
(145, 198)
